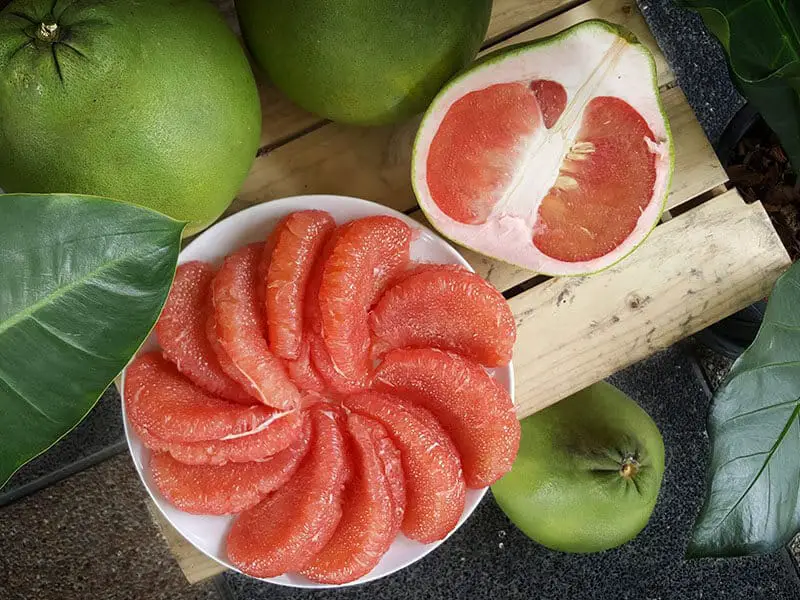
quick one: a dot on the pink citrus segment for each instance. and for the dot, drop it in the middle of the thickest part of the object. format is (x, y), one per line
(366, 254)
(225, 362)
(276, 435)
(228, 489)
(335, 381)
(473, 408)
(449, 309)
(285, 531)
(479, 147)
(552, 99)
(435, 488)
(240, 329)
(607, 181)
(182, 335)
(303, 372)
(372, 507)
(299, 238)
(164, 403)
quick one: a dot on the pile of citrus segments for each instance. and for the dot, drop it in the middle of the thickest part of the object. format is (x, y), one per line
(329, 392)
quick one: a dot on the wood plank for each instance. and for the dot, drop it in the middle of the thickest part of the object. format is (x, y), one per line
(284, 120)
(195, 565)
(694, 270)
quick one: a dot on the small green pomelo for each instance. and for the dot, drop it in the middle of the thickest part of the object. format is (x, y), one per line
(587, 474)
(363, 62)
(151, 102)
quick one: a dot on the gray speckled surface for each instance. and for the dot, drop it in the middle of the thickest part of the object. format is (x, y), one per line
(100, 432)
(698, 62)
(90, 537)
(488, 558)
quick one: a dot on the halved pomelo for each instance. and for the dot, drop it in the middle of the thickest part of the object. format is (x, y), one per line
(435, 488)
(446, 308)
(474, 409)
(285, 531)
(365, 255)
(296, 242)
(240, 328)
(554, 155)
(373, 506)
(228, 489)
(181, 331)
(165, 404)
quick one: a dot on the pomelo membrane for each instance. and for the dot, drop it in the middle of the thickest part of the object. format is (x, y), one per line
(554, 155)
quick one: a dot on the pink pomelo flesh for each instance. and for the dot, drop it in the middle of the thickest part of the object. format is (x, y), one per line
(228, 489)
(563, 171)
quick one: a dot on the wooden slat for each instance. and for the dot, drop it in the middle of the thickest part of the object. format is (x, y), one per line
(195, 565)
(694, 270)
(284, 120)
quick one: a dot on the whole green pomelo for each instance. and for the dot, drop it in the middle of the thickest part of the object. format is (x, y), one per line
(149, 101)
(364, 62)
(587, 474)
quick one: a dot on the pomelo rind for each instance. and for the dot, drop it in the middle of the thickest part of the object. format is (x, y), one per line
(435, 216)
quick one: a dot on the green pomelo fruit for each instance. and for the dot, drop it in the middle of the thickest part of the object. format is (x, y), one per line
(149, 102)
(587, 474)
(554, 155)
(364, 62)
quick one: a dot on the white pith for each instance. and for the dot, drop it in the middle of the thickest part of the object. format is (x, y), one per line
(588, 61)
(261, 427)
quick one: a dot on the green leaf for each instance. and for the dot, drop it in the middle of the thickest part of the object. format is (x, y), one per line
(753, 499)
(762, 41)
(82, 281)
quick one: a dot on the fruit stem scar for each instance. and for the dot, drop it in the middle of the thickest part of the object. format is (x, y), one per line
(48, 31)
(629, 467)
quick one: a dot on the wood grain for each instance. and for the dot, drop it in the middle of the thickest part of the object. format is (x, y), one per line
(694, 270)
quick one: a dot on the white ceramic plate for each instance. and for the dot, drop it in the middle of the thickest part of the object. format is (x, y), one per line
(208, 533)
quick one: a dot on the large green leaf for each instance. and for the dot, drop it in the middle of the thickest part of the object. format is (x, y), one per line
(752, 503)
(82, 281)
(762, 40)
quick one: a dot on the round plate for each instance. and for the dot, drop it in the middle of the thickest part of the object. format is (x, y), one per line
(208, 533)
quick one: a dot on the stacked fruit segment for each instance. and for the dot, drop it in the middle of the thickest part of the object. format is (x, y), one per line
(327, 392)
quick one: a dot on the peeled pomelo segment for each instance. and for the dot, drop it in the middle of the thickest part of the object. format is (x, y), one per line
(228, 489)
(553, 155)
(225, 362)
(164, 403)
(181, 331)
(240, 329)
(552, 99)
(303, 372)
(285, 531)
(445, 308)
(332, 379)
(298, 240)
(370, 520)
(421, 267)
(474, 409)
(435, 488)
(365, 255)
(272, 437)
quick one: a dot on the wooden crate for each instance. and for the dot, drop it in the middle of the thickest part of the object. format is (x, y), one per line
(711, 255)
